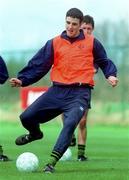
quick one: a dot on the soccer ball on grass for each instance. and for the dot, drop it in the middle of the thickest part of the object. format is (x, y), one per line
(27, 162)
(67, 155)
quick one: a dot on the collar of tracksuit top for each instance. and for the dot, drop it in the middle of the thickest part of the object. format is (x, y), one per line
(72, 40)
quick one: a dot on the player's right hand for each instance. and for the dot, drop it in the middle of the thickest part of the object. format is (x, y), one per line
(15, 82)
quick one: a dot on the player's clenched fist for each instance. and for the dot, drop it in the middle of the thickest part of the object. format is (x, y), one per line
(15, 82)
(112, 80)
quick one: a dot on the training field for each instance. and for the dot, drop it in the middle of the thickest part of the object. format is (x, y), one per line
(107, 149)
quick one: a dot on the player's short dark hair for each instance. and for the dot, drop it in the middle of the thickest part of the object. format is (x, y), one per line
(89, 20)
(75, 13)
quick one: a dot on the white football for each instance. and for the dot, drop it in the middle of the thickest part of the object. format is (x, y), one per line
(67, 155)
(27, 162)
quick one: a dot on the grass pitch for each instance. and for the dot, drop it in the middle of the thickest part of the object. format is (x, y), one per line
(107, 149)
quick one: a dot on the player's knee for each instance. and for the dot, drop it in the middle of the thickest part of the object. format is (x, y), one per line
(70, 126)
(82, 124)
(25, 116)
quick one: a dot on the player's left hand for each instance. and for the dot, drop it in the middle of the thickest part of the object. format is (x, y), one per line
(112, 80)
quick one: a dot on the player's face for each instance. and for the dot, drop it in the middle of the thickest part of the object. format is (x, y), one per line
(72, 27)
(88, 29)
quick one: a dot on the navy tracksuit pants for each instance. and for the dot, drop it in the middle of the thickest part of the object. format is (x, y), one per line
(72, 101)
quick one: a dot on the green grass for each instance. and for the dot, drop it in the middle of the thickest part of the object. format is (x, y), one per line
(107, 149)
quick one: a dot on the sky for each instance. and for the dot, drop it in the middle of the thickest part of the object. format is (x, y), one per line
(28, 24)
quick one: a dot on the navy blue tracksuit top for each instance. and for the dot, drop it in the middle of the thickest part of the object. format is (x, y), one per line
(42, 62)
